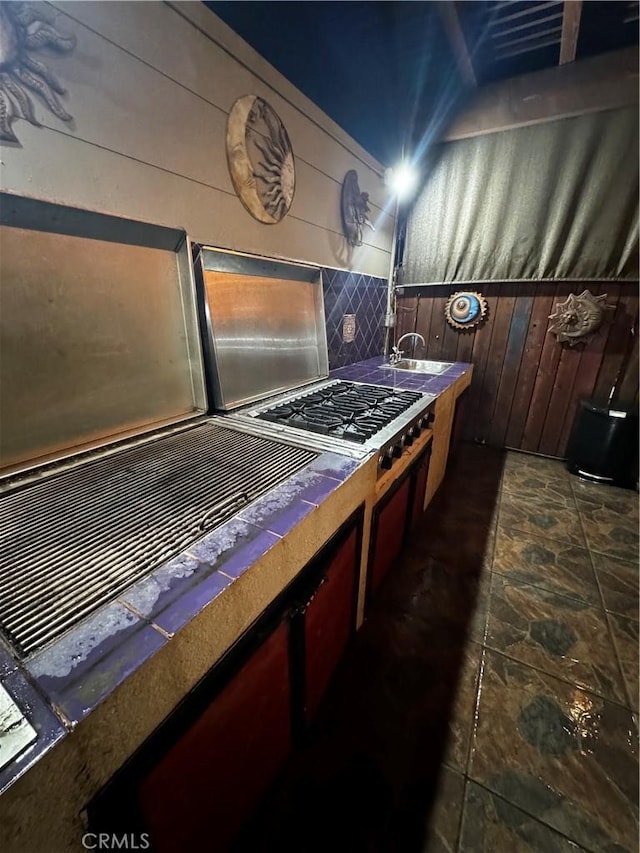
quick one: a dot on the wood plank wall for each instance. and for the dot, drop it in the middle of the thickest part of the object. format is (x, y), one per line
(526, 386)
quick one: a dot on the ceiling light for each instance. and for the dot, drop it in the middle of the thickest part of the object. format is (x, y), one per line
(401, 179)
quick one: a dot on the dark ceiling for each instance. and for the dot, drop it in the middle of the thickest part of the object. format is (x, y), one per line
(391, 73)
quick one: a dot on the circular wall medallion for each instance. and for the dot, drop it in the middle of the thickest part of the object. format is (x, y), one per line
(579, 317)
(465, 310)
(260, 159)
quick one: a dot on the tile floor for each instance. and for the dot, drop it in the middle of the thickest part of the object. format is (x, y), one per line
(490, 701)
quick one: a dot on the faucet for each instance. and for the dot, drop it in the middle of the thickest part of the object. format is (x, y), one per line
(396, 352)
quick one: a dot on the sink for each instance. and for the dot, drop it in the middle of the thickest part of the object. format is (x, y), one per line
(418, 365)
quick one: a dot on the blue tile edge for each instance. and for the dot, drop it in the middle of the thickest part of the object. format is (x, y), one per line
(87, 664)
(82, 668)
(49, 727)
(221, 557)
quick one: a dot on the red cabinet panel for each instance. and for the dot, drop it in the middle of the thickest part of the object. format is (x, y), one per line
(329, 620)
(389, 526)
(420, 487)
(202, 791)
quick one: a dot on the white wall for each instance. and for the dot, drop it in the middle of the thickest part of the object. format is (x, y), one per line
(150, 86)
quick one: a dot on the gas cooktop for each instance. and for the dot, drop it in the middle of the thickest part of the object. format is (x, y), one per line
(351, 418)
(344, 410)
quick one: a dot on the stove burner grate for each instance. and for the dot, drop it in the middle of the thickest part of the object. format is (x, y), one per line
(351, 412)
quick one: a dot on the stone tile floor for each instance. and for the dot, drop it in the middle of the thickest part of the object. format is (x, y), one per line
(490, 701)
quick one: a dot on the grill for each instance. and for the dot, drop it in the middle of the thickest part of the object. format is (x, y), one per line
(75, 541)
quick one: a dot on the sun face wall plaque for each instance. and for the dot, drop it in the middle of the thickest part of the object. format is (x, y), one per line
(260, 159)
(354, 209)
(23, 33)
(465, 310)
(578, 318)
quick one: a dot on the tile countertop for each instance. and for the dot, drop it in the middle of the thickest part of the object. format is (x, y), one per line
(61, 685)
(372, 372)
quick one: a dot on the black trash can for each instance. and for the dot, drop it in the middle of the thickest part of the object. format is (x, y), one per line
(603, 446)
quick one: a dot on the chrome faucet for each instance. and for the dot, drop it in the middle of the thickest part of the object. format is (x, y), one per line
(396, 352)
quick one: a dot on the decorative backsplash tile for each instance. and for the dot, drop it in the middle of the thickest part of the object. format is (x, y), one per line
(366, 297)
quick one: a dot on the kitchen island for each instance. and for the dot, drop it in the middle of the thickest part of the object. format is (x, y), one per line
(97, 694)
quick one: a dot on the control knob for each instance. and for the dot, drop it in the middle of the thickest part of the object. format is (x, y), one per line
(386, 460)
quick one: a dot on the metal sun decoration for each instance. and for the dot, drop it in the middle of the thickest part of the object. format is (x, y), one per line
(354, 208)
(22, 33)
(578, 318)
(465, 310)
(260, 159)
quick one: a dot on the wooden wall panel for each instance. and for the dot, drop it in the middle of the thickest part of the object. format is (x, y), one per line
(407, 313)
(438, 324)
(496, 357)
(535, 337)
(465, 347)
(423, 320)
(616, 350)
(479, 355)
(628, 388)
(563, 383)
(526, 387)
(590, 361)
(450, 340)
(542, 388)
(511, 368)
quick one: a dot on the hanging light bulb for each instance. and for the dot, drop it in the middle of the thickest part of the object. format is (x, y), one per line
(402, 179)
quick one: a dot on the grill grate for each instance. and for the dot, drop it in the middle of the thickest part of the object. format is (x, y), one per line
(73, 542)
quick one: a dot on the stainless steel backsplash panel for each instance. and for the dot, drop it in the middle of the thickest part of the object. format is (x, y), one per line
(263, 325)
(98, 331)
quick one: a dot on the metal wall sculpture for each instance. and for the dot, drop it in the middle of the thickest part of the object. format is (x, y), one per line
(578, 318)
(354, 208)
(465, 310)
(260, 159)
(23, 33)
